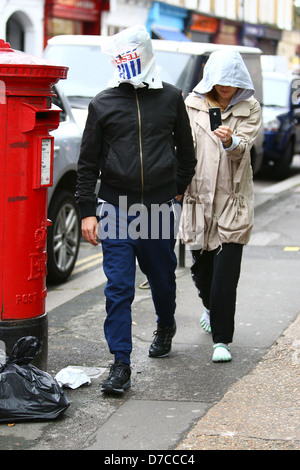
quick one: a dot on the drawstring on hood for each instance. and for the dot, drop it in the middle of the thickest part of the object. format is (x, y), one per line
(133, 58)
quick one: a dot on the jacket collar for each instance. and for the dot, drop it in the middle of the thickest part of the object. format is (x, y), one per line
(129, 90)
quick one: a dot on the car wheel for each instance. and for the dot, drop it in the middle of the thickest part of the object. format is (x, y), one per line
(281, 168)
(63, 238)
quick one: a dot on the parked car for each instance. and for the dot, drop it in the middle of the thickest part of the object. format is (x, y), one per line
(281, 118)
(64, 234)
(181, 64)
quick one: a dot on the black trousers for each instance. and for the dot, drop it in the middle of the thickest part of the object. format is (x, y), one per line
(216, 274)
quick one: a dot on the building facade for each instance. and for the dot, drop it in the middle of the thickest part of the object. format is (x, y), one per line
(27, 25)
(73, 17)
(267, 24)
(123, 14)
(258, 23)
(22, 24)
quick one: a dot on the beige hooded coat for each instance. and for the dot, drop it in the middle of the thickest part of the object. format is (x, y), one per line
(216, 210)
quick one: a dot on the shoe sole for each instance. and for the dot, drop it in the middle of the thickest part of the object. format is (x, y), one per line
(158, 357)
(221, 360)
(117, 391)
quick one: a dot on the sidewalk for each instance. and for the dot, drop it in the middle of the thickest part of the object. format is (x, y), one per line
(261, 411)
(185, 402)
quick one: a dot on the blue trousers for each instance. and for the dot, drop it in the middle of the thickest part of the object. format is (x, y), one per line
(127, 239)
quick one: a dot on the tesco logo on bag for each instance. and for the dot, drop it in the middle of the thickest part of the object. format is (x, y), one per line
(122, 59)
(129, 65)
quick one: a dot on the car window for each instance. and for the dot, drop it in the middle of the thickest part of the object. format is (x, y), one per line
(84, 86)
(296, 92)
(252, 63)
(187, 76)
(186, 70)
(89, 69)
(276, 92)
(172, 66)
(58, 102)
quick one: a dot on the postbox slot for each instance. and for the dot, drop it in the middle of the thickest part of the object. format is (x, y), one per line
(34, 117)
(42, 116)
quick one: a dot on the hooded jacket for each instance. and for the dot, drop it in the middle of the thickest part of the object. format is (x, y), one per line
(208, 212)
(227, 68)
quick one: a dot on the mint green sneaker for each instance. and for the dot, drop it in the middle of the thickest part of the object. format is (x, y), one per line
(221, 353)
(205, 321)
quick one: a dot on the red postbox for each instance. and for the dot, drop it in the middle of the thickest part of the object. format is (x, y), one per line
(26, 159)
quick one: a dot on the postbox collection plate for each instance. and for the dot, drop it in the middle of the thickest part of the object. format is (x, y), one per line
(44, 164)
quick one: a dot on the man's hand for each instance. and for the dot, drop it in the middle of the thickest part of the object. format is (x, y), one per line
(89, 229)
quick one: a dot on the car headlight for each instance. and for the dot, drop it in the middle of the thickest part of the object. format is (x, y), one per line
(272, 126)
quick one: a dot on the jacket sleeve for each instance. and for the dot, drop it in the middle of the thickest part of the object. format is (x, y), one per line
(88, 167)
(185, 152)
(246, 132)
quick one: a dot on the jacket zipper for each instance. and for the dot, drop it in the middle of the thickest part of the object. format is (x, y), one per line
(140, 144)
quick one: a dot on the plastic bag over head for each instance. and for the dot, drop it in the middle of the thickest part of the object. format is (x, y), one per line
(132, 56)
(27, 393)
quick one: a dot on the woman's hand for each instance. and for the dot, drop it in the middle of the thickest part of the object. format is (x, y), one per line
(225, 135)
(89, 229)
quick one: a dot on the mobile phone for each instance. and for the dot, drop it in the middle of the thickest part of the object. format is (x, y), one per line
(215, 118)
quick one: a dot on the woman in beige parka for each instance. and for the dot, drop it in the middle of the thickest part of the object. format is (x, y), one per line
(217, 213)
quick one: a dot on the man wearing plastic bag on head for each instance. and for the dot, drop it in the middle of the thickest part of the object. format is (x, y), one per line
(138, 138)
(217, 215)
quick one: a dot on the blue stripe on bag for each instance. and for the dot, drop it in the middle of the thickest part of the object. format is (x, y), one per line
(124, 71)
(132, 68)
(127, 71)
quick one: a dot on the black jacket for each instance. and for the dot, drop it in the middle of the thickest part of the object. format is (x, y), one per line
(139, 142)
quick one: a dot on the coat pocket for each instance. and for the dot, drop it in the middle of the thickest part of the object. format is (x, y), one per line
(191, 229)
(236, 220)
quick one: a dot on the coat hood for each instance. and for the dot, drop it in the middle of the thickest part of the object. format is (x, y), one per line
(133, 58)
(227, 68)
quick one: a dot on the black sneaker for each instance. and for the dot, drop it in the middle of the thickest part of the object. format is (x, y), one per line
(162, 343)
(118, 380)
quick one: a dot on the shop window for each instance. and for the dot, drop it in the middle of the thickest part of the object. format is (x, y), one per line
(111, 30)
(58, 26)
(15, 33)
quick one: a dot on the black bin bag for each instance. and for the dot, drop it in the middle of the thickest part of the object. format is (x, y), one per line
(26, 392)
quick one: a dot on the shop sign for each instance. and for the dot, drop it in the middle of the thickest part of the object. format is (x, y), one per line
(271, 33)
(204, 24)
(227, 34)
(254, 30)
(86, 4)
